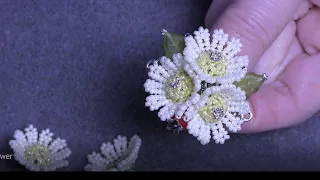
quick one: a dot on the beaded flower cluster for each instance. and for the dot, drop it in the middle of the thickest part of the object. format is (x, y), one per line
(195, 90)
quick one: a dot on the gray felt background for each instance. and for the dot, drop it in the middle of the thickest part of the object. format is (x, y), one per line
(77, 67)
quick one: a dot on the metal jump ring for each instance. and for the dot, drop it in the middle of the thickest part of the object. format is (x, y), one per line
(151, 62)
(264, 76)
(247, 119)
(148, 64)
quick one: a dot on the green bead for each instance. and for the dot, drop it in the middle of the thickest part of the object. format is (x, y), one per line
(180, 87)
(211, 67)
(38, 154)
(215, 101)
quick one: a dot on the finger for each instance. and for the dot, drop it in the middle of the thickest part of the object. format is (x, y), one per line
(302, 10)
(257, 23)
(216, 8)
(308, 31)
(291, 99)
(274, 59)
(315, 2)
(294, 50)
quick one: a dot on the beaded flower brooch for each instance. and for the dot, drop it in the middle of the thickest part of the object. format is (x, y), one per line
(201, 85)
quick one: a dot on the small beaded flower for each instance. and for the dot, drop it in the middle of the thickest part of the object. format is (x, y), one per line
(215, 62)
(172, 88)
(120, 156)
(220, 107)
(39, 152)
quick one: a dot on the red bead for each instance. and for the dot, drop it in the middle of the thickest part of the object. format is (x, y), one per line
(181, 122)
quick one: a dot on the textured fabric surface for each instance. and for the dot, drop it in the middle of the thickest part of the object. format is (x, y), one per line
(78, 68)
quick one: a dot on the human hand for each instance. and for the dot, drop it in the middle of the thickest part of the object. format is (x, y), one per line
(282, 39)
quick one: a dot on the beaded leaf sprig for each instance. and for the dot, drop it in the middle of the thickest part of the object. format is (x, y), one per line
(38, 151)
(201, 85)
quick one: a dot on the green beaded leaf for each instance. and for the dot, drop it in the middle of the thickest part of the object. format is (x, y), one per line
(250, 83)
(173, 43)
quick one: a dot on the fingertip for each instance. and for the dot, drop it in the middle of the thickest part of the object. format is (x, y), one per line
(308, 31)
(311, 50)
(302, 10)
(315, 2)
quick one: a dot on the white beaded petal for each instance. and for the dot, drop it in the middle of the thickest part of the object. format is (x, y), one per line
(57, 150)
(236, 102)
(229, 47)
(159, 75)
(119, 156)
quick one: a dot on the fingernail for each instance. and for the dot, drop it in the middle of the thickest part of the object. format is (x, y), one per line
(311, 50)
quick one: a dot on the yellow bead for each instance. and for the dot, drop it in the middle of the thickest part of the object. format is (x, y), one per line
(38, 154)
(213, 68)
(215, 101)
(180, 87)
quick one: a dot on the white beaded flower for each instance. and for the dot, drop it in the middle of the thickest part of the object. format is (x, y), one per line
(171, 88)
(120, 156)
(219, 107)
(39, 152)
(215, 61)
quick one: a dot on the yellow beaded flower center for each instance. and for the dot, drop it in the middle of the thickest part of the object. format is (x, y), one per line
(212, 63)
(38, 154)
(180, 87)
(214, 109)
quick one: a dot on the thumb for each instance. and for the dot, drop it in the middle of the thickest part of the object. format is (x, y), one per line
(257, 23)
